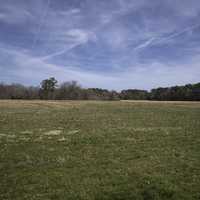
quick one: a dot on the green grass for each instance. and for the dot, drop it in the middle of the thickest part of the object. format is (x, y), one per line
(99, 150)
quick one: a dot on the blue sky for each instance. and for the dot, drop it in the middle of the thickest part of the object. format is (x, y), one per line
(115, 44)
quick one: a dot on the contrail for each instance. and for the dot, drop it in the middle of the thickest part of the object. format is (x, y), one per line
(176, 34)
(41, 24)
(57, 53)
(144, 45)
(154, 41)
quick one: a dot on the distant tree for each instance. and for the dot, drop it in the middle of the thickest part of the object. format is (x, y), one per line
(189, 92)
(99, 94)
(48, 87)
(196, 92)
(70, 90)
(32, 92)
(3, 91)
(113, 95)
(134, 94)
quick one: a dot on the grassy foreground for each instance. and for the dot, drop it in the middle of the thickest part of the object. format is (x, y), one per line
(99, 150)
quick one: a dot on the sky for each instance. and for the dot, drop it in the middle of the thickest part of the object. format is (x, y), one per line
(111, 44)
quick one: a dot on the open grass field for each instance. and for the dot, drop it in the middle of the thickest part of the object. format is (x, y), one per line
(99, 150)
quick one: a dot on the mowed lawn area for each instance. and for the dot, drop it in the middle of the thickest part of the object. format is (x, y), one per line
(118, 150)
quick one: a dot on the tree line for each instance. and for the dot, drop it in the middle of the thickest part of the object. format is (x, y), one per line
(71, 90)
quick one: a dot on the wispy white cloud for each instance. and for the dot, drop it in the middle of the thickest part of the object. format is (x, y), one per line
(70, 12)
(37, 69)
(185, 8)
(142, 76)
(41, 24)
(109, 37)
(11, 15)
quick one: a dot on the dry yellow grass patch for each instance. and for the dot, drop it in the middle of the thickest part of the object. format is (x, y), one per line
(53, 132)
